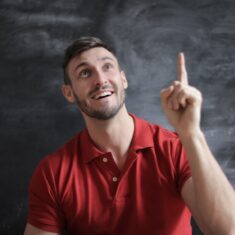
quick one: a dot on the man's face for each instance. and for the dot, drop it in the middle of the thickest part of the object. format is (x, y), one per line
(97, 84)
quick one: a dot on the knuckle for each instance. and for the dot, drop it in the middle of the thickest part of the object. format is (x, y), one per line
(178, 87)
(175, 83)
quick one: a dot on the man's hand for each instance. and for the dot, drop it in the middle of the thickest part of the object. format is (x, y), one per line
(182, 103)
(208, 194)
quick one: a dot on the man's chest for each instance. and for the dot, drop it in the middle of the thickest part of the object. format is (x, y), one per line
(102, 199)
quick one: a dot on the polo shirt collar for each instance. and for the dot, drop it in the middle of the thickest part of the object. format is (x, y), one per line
(88, 148)
(142, 138)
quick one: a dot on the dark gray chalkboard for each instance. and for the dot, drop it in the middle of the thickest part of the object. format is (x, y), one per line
(34, 117)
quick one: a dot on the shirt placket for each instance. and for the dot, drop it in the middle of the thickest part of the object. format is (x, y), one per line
(111, 171)
(116, 177)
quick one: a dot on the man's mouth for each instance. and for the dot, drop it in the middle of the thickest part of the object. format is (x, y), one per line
(102, 95)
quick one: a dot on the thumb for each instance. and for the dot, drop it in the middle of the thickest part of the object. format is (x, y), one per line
(165, 94)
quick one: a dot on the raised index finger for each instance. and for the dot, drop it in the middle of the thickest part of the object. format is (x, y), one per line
(182, 72)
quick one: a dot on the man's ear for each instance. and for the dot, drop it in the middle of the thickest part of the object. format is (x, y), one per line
(68, 93)
(124, 80)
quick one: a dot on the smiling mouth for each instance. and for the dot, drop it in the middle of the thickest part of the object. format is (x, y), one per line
(102, 95)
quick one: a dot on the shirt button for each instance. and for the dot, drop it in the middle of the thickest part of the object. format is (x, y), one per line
(115, 179)
(105, 159)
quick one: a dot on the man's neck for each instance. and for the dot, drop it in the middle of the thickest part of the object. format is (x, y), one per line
(113, 135)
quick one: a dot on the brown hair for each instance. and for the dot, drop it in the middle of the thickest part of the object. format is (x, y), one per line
(77, 47)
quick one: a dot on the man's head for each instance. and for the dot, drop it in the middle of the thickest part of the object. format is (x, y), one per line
(79, 46)
(93, 78)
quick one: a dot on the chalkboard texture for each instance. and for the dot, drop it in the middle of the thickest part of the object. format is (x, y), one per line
(34, 117)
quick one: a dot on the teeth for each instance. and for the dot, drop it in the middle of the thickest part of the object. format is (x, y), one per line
(102, 94)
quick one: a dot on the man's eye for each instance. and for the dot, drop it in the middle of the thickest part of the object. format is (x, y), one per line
(108, 66)
(85, 73)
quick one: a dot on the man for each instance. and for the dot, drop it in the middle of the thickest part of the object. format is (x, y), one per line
(123, 175)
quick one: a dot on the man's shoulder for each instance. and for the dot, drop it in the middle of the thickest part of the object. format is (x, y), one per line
(156, 129)
(57, 166)
(64, 154)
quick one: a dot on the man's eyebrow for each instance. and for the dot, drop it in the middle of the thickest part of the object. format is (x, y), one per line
(86, 63)
(106, 58)
(80, 65)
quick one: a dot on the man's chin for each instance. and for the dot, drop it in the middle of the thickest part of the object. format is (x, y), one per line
(101, 115)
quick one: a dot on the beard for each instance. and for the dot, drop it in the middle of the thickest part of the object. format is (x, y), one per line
(103, 113)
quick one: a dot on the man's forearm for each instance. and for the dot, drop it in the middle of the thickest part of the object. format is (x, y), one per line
(214, 195)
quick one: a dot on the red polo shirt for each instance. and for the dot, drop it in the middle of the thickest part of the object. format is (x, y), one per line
(79, 188)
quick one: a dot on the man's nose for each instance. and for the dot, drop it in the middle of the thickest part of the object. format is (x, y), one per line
(100, 78)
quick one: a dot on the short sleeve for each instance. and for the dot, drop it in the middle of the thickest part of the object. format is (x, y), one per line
(182, 168)
(44, 207)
